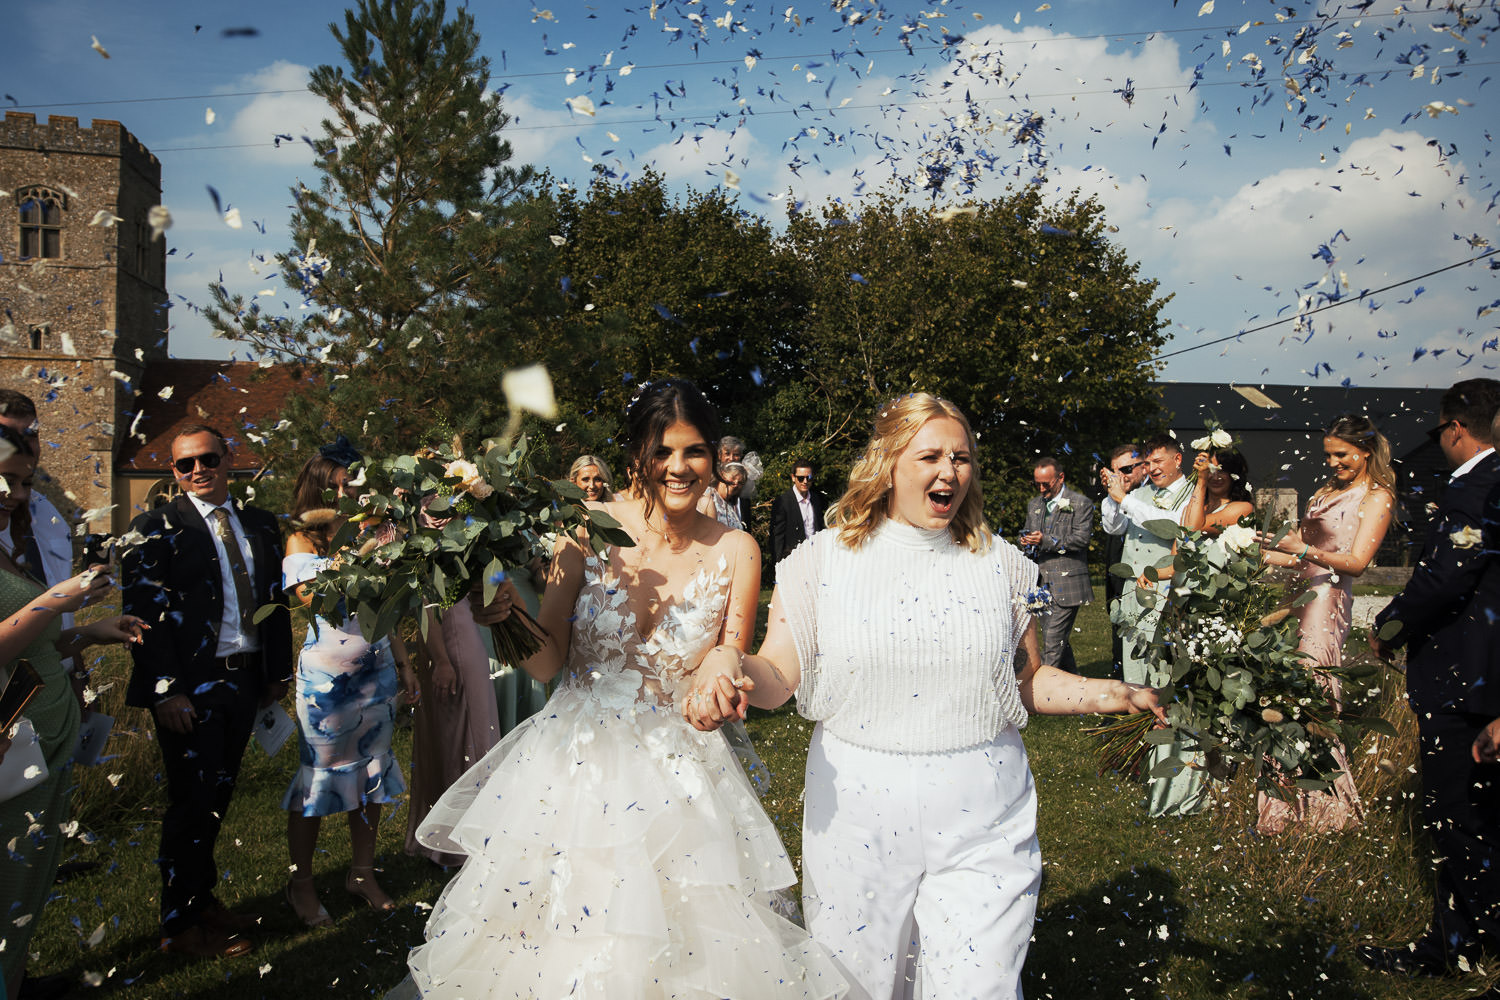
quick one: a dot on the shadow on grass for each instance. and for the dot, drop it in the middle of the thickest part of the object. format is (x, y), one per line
(1118, 937)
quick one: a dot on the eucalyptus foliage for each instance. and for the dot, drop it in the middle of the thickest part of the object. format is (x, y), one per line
(426, 530)
(1236, 686)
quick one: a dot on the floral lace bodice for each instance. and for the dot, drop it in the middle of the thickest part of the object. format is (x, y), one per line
(620, 669)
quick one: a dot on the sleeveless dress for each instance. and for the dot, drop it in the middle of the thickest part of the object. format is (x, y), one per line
(29, 823)
(1331, 525)
(346, 712)
(613, 850)
(451, 733)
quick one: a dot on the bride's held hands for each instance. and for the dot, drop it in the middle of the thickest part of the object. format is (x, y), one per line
(720, 692)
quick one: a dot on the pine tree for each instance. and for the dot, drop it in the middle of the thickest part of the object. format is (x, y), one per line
(423, 265)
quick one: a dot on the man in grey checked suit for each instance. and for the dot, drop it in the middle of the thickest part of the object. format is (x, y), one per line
(1161, 498)
(1059, 521)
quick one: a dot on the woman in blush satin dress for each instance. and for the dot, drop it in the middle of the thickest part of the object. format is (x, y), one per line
(1346, 521)
(457, 718)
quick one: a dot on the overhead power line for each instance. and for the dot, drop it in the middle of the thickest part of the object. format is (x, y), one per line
(1332, 305)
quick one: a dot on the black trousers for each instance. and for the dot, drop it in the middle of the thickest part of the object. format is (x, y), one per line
(1461, 806)
(201, 767)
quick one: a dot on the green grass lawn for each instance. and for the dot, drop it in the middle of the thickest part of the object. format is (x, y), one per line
(1130, 907)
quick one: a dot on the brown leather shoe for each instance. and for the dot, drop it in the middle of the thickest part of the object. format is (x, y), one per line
(206, 942)
(231, 923)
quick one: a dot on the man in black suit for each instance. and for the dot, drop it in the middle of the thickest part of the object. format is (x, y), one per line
(797, 514)
(1446, 618)
(202, 568)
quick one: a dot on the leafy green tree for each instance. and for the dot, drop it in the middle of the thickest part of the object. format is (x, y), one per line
(688, 286)
(1020, 311)
(425, 269)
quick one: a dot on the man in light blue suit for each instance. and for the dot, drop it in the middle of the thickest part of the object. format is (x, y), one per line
(1127, 512)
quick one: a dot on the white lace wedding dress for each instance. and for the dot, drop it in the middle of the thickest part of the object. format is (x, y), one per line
(613, 850)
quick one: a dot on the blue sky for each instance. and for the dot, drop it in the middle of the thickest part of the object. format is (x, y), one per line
(1221, 180)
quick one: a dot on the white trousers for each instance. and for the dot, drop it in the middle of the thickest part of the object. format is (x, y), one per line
(939, 848)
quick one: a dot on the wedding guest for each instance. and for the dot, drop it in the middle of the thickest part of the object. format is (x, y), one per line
(457, 717)
(346, 705)
(1221, 492)
(1346, 521)
(722, 500)
(797, 514)
(1127, 512)
(1446, 618)
(731, 449)
(1125, 460)
(31, 629)
(905, 634)
(205, 669)
(46, 550)
(1059, 522)
(590, 474)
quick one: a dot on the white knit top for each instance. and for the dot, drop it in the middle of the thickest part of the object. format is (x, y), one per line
(907, 644)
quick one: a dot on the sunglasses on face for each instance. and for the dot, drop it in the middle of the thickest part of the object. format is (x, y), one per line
(1126, 470)
(802, 479)
(209, 460)
(1436, 433)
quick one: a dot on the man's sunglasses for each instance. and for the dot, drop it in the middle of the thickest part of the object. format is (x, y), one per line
(802, 479)
(209, 460)
(1435, 434)
(1126, 470)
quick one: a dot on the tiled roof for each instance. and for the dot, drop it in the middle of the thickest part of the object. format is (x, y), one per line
(231, 396)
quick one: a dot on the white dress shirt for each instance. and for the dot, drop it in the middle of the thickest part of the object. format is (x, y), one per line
(804, 503)
(231, 639)
(1467, 467)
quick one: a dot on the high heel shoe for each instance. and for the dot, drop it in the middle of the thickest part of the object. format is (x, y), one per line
(318, 919)
(361, 882)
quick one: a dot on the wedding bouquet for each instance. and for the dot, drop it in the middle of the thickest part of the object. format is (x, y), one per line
(1235, 685)
(425, 530)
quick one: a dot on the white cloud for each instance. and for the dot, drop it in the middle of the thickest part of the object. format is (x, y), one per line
(269, 115)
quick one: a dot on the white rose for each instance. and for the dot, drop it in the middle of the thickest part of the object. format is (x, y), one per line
(1201, 444)
(1466, 537)
(1221, 439)
(1238, 537)
(461, 469)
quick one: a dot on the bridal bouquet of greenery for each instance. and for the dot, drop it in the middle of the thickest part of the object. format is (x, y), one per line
(423, 531)
(1236, 686)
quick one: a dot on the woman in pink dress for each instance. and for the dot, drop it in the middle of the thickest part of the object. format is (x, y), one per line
(1346, 522)
(457, 718)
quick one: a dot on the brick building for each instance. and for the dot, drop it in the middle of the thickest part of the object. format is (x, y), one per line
(83, 297)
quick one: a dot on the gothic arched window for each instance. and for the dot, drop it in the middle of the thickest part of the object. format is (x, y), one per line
(41, 221)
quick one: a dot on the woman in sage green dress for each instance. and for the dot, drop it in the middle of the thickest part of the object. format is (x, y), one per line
(29, 629)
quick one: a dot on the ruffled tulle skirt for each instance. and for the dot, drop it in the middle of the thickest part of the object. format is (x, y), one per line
(612, 852)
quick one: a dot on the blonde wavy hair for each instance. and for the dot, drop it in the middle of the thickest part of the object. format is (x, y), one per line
(1359, 431)
(865, 504)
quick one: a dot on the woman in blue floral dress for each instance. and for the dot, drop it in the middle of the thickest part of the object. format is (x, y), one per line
(346, 707)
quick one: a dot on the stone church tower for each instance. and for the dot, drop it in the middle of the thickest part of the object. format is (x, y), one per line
(83, 298)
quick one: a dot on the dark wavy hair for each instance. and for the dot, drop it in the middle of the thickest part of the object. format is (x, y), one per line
(659, 405)
(313, 481)
(1232, 462)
